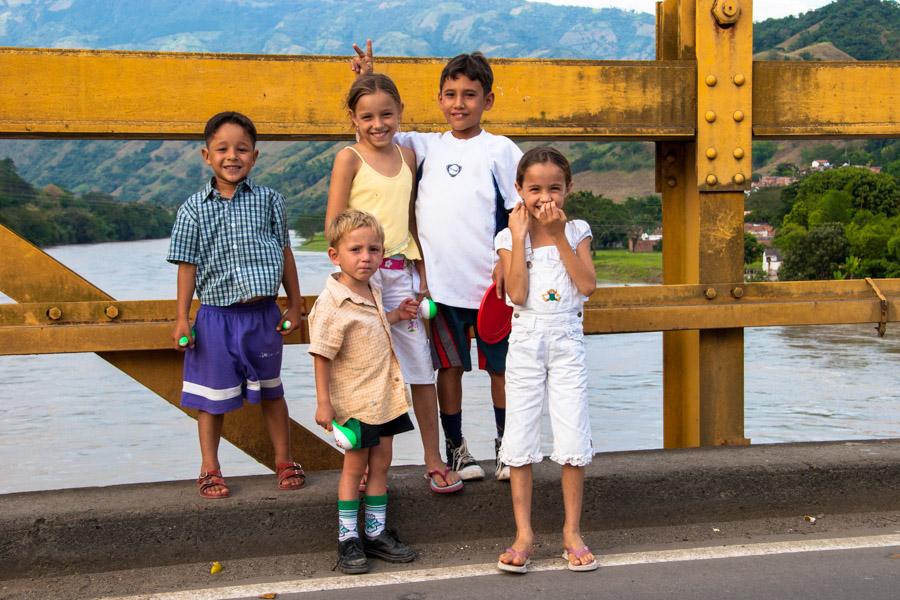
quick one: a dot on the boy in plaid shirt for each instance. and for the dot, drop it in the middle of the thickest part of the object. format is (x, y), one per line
(230, 242)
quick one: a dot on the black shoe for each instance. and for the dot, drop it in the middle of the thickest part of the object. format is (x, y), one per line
(387, 547)
(351, 557)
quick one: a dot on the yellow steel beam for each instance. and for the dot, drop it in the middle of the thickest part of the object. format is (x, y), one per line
(29, 275)
(146, 324)
(111, 94)
(795, 99)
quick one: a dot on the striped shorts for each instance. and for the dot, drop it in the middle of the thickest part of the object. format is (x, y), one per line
(236, 355)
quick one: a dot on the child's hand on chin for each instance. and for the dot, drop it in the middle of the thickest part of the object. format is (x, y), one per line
(519, 220)
(553, 219)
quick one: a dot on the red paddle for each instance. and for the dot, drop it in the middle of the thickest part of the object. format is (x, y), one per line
(494, 317)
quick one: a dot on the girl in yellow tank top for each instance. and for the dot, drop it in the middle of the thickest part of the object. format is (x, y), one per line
(378, 176)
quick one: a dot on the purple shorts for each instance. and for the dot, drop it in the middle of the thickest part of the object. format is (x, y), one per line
(236, 355)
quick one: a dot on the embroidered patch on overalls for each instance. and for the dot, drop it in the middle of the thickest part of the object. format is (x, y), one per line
(551, 295)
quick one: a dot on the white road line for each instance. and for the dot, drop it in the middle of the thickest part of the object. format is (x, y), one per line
(456, 572)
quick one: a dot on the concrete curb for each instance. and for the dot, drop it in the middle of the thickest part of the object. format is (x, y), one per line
(94, 529)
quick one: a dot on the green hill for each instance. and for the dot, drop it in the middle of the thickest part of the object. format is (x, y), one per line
(842, 30)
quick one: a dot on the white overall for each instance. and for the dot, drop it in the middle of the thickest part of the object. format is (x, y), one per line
(546, 361)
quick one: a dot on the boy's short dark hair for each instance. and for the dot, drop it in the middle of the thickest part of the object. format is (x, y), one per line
(474, 66)
(229, 116)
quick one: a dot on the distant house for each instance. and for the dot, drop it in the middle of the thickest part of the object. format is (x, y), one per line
(820, 165)
(767, 181)
(771, 262)
(761, 231)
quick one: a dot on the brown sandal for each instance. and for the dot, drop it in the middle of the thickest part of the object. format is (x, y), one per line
(209, 480)
(287, 471)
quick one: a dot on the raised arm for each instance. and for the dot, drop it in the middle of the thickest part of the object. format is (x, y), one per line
(579, 264)
(513, 261)
(364, 62)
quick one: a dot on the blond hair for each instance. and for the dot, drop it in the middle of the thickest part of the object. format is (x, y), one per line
(351, 220)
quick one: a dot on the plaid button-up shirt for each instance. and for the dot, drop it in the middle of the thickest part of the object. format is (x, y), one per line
(237, 244)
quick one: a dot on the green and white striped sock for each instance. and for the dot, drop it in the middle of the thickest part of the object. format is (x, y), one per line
(348, 517)
(376, 515)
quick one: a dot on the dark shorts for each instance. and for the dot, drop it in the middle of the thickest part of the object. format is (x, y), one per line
(236, 355)
(370, 435)
(451, 338)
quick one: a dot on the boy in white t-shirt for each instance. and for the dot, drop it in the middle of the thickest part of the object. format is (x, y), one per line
(466, 188)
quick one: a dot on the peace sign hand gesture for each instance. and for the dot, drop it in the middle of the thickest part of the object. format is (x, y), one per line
(364, 62)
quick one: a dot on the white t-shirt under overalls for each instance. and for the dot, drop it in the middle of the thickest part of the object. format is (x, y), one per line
(546, 359)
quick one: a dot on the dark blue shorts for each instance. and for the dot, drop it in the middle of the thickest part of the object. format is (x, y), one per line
(451, 338)
(236, 355)
(370, 435)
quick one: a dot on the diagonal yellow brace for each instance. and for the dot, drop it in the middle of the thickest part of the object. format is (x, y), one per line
(28, 274)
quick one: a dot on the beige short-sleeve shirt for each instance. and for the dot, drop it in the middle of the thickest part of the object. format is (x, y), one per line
(352, 332)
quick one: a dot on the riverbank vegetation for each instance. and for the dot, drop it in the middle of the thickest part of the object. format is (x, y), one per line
(53, 216)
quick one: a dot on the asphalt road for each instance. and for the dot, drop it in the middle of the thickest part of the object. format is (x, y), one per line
(852, 556)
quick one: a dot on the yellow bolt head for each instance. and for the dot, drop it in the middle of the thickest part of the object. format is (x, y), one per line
(672, 182)
(711, 293)
(726, 12)
(738, 153)
(711, 80)
(710, 116)
(738, 115)
(739, 80)
(711, 180)
(711, 153)
(54, 313)
(738, 178)
(112, 312)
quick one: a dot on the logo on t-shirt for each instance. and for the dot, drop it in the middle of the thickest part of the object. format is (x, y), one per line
(453, 169)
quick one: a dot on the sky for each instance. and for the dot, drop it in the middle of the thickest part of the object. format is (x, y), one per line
(762, 9)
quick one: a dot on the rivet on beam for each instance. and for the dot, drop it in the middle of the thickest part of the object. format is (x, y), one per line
(738, 178)
(670, 158)
(710, 293)
(672, 182)
(111, 311)
(710, 116)
(738, 115)
(711, 180)
(711, 153)
(739, 80)
(738, 153)
(711, 80)
(54, 313)
(737, 292)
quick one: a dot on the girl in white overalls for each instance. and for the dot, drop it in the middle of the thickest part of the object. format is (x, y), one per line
(549, 275)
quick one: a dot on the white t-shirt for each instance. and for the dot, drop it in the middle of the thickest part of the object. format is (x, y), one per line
(456, 209)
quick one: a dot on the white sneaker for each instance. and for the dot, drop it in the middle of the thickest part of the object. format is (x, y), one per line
(460, 460)
(501, 470)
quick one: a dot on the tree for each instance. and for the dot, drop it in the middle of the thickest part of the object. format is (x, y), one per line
(786, 169)
(763, 151)
(753, 250)
(816, 255)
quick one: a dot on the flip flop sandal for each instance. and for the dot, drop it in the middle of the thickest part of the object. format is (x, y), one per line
(449, 488)
(579, 554)
(209, 480)
(524, 555)
(287, 471)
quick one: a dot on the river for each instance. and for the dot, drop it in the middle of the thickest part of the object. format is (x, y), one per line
(72, 420)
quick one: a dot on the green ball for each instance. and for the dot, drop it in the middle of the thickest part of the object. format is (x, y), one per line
(427, 308)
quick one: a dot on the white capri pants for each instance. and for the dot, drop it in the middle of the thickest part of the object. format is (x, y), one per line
(410, 340)
(546, 360)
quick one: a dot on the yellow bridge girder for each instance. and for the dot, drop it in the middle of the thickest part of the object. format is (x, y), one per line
(116, 94)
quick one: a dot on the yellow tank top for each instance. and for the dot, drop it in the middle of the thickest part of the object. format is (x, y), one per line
(388, 199)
